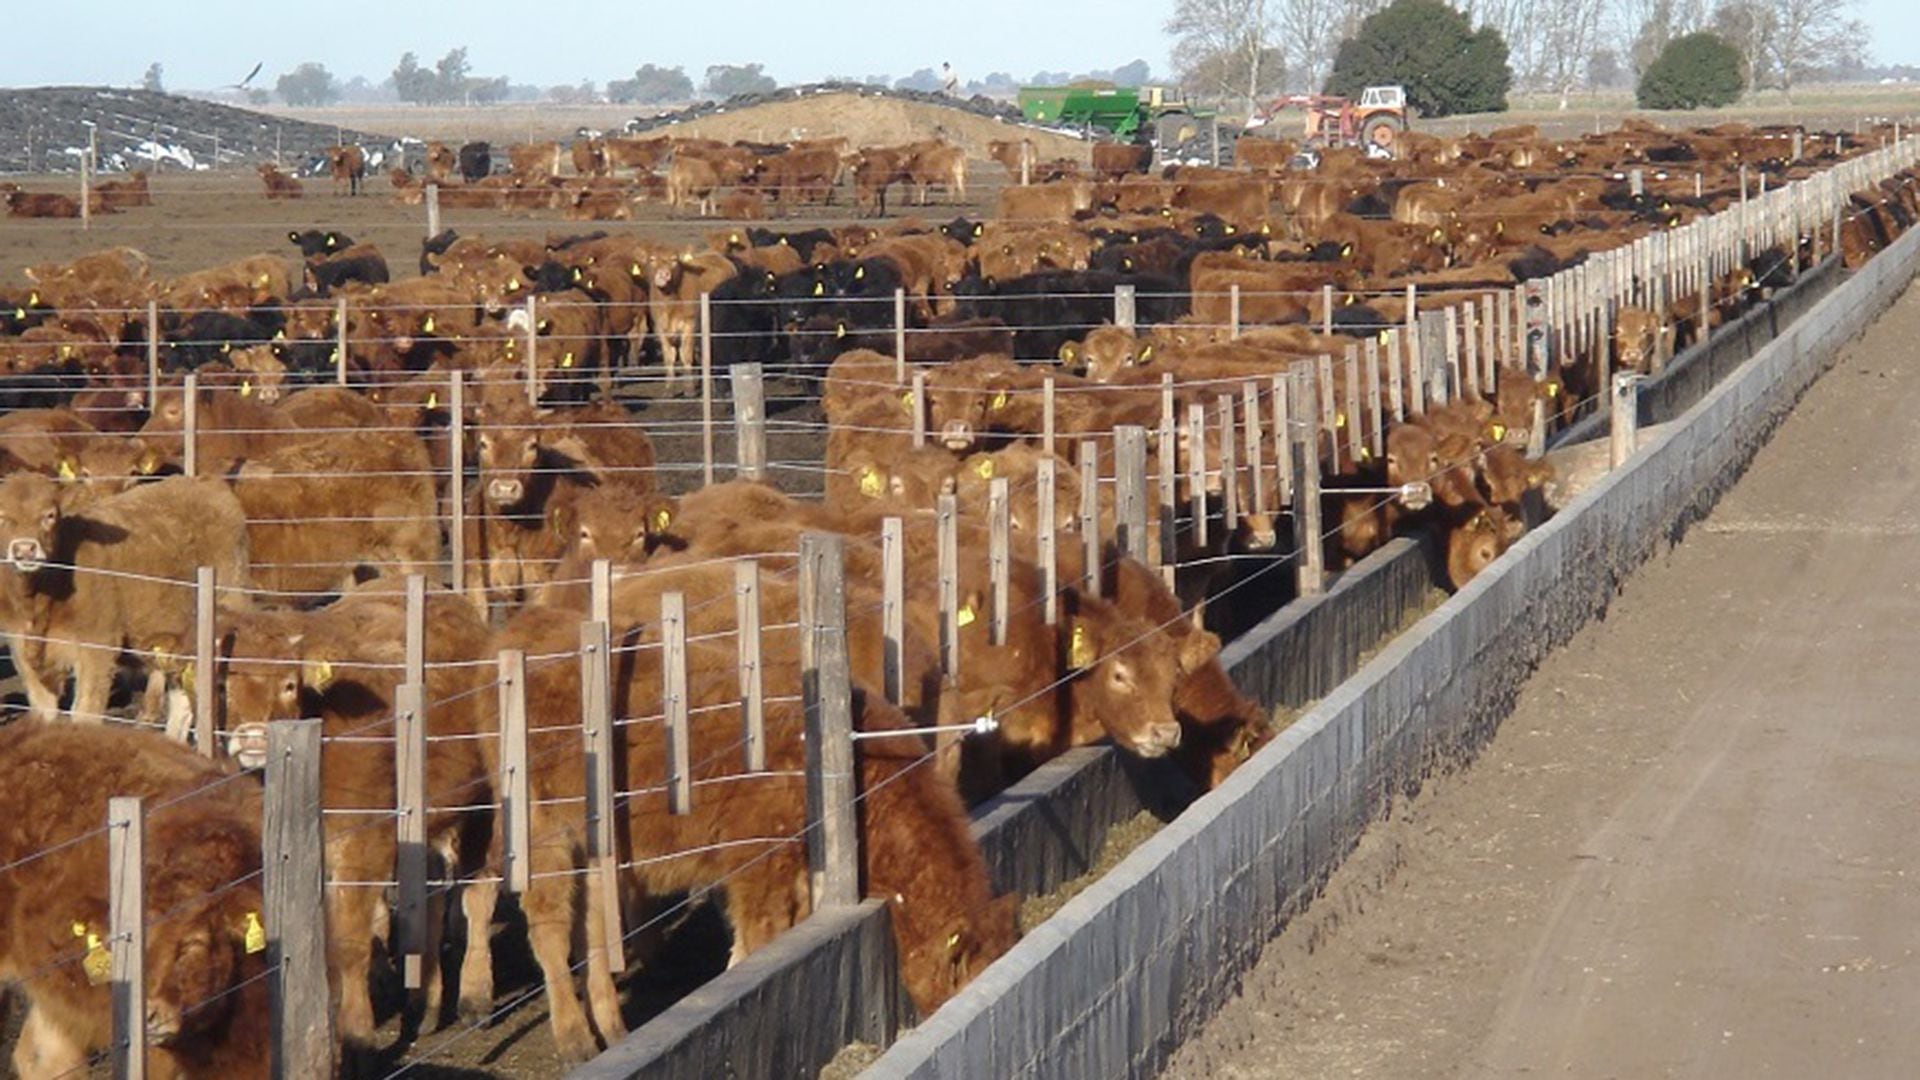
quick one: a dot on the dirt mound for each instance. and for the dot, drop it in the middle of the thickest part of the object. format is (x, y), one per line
(44, 129)
(866, 117)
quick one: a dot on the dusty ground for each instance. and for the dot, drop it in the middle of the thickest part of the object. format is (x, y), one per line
(201, 219)
(1689, 851)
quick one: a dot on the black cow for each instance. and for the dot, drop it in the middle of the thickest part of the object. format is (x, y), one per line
(1051, 308)
(476, 161)
(313, 243)
(365, 265)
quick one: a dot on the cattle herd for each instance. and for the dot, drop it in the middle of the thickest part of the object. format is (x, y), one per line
(1060, 444)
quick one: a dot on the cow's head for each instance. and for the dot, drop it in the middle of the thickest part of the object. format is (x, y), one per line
(31, 508)
(1124, 672)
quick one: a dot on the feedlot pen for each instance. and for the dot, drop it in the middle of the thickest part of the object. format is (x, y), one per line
(1262, 444)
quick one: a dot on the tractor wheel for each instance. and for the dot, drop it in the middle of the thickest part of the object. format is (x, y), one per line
(1383, 132)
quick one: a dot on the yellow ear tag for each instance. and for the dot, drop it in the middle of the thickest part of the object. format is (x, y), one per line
(147, 463)
(953, 942)
(819, 288)
(964, 616)
(566, 361)
(839, 331)
(256, 934)
(319, 673)
(660, 520)
(1553, 389)
(985, 468)
(99, 962)
(66, 469)
(1000, 400)
(1079, 652)
(870, 482)
(246, 387)
(1066, 352)
(1340, 419)
(1146, 354)
(427, 325)
(859, 273)
(433, 399)
(1498, 431)
(906, 401)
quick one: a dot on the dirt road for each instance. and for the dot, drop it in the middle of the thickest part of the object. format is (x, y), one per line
(1692, 850)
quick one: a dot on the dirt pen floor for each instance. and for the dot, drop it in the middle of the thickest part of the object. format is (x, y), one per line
(1690, 850)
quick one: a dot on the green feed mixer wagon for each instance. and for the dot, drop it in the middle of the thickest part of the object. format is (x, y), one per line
(1146, 114)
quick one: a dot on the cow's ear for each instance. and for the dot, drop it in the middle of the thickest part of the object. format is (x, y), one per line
(1197, 650)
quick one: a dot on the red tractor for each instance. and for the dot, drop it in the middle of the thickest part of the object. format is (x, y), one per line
(1375, 123)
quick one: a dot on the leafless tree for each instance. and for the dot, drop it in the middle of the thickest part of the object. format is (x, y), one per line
(1308, 34)
(1749, 26)
(1811, 34)
(1222, 46)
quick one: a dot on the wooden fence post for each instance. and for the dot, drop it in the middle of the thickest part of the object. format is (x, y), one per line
(1229, 468)
(1310, 558)
(433, 210)
(1255, 449)
(749, 421)
(86, 192)
(833, 841)
(1376, 415)
(532, 364)
(340, 342)
(293, 891)
(410, 772)
(706, 387)
(190, 425)
(1046, 538)
(899, 335)
(1123, 307)
(127, 933)
(1197, 470)
(918, 407)
(893, 608)
(1130, 490)
(1047, 417)
(153, 354)
(1351, 373)
(673, 701)
(1233, 310)
(206, 699)
(515, 811)
(1091, 576)
(457, 482)
(1625, 423)
(746, 610)
(946, 524)
(1167, 498)
(999, 557)
(596, 729)
(1282, 441)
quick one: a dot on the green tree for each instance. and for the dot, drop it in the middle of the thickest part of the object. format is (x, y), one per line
(651, 85)
(1426, 46)
(1695, 71)
(729, 80)
(308, 84)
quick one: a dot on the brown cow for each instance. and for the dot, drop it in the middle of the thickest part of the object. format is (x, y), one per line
(917, 852)
(34, 204)
(1060, 201)
(692, 179)
(1111, 161)
(343, 664)
(81, 587)
(206, 994)
(347, 164)
(336, 506)
(535, 160)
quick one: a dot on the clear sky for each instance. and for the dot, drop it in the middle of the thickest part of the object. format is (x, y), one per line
(206, 43)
